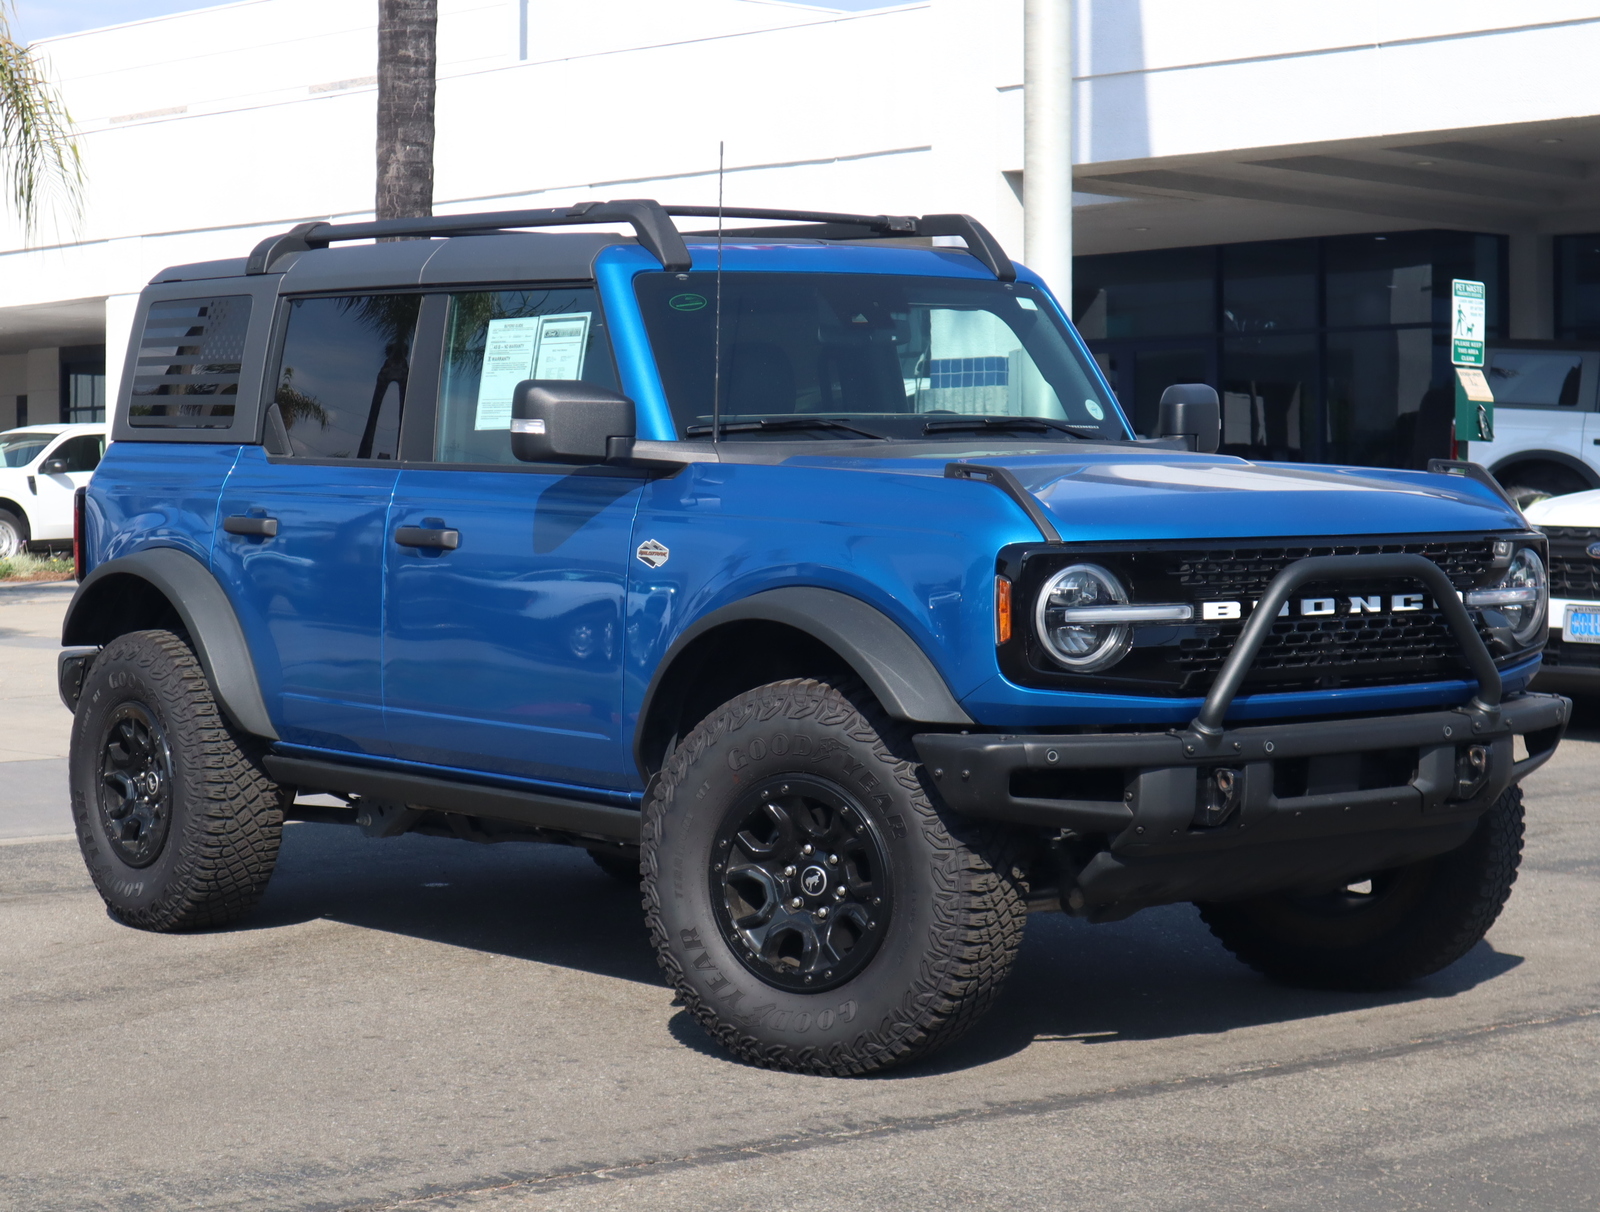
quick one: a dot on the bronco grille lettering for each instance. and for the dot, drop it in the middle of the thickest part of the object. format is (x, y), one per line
(1313, 608)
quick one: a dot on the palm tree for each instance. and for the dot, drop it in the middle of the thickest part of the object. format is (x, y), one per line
(38, 157)
(406, 64)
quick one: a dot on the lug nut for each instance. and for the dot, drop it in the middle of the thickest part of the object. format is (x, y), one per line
(833, 860)
(838, 892)
(789, 870)
(823, 912)
(795, 903)
(807, 848)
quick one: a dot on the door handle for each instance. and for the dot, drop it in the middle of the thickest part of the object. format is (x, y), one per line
(426, 536)
(265, 528)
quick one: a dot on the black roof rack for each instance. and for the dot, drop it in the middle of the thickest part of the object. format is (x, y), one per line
(652, 224)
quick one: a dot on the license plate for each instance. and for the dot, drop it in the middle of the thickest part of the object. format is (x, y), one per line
(1582, 625)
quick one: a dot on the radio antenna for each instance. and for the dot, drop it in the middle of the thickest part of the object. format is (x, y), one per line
(716, 368)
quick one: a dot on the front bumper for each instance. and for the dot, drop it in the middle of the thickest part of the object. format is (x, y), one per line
(1306, 802)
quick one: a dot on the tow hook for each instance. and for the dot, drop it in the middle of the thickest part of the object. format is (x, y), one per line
(1218, 797)
(1472, 769)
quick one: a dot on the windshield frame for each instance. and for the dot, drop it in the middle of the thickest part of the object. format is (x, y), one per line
(1062, 347)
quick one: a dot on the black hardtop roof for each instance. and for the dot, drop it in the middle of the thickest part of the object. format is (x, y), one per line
(426, 251)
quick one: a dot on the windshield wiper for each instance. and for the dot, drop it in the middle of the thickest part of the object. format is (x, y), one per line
(1037, 424)
(780, 423)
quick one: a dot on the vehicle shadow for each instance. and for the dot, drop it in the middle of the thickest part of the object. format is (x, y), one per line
(548, 904)
(1157, 975)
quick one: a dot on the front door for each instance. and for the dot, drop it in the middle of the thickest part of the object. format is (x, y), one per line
(51, 513)
(503, 645)
(301, 536)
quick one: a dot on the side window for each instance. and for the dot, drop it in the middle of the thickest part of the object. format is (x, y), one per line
(81, 453)
(1535, 378)
(496, 339)
(187, 372)
(342, 375)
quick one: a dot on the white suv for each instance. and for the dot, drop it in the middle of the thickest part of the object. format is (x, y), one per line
(1546, 429)
(41, 467)
(1572, 657)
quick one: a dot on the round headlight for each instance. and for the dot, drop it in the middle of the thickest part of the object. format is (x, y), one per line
(1067, 631)
(1526, 572)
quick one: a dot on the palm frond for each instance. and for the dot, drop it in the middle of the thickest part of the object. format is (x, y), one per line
(39, 160)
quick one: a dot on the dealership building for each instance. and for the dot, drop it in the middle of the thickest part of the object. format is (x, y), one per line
(1270, 197)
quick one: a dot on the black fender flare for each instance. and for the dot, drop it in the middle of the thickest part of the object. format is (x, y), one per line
(1560, 458)
(208, 616)
(895, 669)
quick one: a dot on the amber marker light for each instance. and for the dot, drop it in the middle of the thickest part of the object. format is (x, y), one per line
(1002, 610)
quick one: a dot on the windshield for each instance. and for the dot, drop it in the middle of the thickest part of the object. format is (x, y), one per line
(20, 449)
(899, 357)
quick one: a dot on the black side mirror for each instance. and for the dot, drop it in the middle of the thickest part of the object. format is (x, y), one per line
(1191, 411)
(569, 421)
(54, 467)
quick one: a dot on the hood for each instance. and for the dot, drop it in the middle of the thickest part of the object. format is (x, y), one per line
(1203, 496)
(1580, 509)
(1111, 493)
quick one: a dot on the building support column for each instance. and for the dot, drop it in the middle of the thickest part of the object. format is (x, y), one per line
(1532, 287)
(1047, 143)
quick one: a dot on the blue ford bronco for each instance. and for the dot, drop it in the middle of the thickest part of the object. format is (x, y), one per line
(810, 577)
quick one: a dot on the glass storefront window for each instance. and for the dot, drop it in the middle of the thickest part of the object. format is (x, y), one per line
(1577, 288)
(1169, 292)
(1269, 397)
(1269, 286)
(1323, 349)
(1380, 279)
(1384, 409)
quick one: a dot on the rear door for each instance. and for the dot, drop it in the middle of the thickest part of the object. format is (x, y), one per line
(503, 643)
(301, 532)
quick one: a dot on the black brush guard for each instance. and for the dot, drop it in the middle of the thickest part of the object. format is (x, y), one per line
(1200, 813)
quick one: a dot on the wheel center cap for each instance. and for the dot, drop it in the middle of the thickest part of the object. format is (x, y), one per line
(814, 881)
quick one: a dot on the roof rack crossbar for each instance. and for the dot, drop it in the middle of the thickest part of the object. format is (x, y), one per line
(831, 226)
(652, 224)
(648, 219)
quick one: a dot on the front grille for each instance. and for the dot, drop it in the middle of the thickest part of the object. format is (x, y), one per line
(1245, 572)
(1369, 649)
(1574, 573)
(1345, 649)
(1560, 654)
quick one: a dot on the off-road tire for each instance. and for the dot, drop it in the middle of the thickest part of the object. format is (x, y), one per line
(956, 910)
(1436, 912)
(621, 866)
(13, 534)
(225, 815)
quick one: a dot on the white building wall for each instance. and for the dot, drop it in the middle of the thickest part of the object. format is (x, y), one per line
(205, 131)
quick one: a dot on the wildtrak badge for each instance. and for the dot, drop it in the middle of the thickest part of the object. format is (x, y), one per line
(1313, 608)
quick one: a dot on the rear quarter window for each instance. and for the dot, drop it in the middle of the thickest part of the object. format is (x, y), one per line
(186, 374)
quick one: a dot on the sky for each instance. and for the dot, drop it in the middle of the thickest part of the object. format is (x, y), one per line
(47, 18)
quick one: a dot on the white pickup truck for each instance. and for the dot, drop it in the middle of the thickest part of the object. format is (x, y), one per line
(41, 467)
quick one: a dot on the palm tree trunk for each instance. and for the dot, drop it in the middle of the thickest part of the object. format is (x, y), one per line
(407, 60)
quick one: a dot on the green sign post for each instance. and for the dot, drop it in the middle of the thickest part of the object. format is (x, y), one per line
(1468, 323)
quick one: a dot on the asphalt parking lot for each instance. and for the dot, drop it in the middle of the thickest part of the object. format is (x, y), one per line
(425, 1023)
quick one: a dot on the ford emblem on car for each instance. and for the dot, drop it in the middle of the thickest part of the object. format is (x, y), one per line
(1593, 551)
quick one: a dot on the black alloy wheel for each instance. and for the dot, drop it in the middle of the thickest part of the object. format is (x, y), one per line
(813, 904)
(801, 884)
(177, 820)
(135, 793)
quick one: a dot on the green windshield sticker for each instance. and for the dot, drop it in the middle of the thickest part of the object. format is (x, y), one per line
(686, 302)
